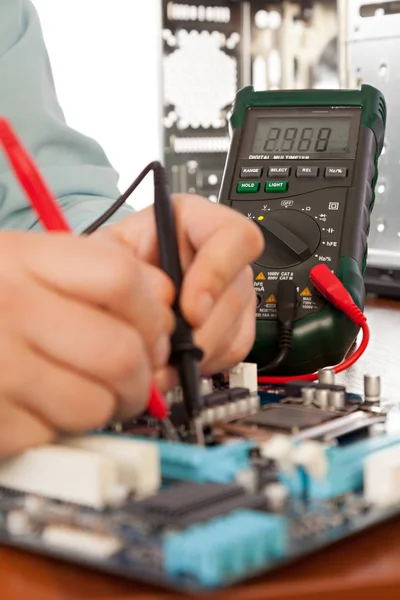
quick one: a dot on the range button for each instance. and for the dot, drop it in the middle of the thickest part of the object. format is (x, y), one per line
(250, 172)
(279, 171)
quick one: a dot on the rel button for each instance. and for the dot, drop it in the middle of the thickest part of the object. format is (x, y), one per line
(276, 186)
(307, 172)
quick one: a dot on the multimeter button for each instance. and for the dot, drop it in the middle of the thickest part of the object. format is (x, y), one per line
(248, 187)
(279, 171)
(250, 172)
(307, 172)
(340, 172)
(276, 186)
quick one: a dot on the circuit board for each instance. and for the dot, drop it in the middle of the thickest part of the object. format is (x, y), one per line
(284, 472)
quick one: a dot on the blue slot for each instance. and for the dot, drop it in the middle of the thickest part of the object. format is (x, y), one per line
(345, 469)
(217, 464)
(227, 548)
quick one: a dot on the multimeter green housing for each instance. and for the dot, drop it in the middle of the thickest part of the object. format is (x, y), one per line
(303, 165)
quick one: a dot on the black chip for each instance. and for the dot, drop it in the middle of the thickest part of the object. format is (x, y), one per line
(288, 417)
(238, 394)
(215, 399)
(188, 503)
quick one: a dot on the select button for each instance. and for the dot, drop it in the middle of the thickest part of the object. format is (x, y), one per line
(279, 171)
(276, 186)
(248, 187)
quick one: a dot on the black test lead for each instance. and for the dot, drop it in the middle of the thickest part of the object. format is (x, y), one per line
(185, 356)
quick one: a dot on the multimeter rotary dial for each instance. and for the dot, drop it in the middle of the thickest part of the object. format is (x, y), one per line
(291, 237)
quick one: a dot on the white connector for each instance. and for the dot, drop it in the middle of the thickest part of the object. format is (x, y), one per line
(82, 542)
(280, 449)
(138, 463)
(65, 474)
(244, 375)
(311, 456)
(382, 477)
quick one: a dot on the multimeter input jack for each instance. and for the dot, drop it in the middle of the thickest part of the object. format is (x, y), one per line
(259, 300)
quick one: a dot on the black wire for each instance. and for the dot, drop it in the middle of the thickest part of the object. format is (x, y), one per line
(110, 212)
(276, 362)
(286, 304)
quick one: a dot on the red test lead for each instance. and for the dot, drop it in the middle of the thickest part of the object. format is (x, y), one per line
(39, 195)
(332, 289)
(50, 215)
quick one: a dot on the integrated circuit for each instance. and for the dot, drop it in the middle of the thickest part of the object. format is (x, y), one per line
(188, 503)
(285, 417)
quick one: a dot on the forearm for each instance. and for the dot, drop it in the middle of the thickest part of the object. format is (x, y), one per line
(75, 167)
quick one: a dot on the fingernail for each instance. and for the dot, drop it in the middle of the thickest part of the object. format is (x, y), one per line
(162, 351)
(204, 306)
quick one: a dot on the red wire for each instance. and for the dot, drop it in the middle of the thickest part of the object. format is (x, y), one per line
(331, 288)
(346, 364)
(50, 215)
(39, 195)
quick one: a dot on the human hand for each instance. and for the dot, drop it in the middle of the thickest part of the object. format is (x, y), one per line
(83, 326)
(217, 244)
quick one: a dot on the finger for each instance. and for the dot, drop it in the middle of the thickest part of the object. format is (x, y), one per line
(230, 348)
(88, 341)
(20, 429)
(138, 293)
(106, 274)
(221, 327)
(238, 347)
(139, 234)
(68, 401)
(60, 397)
(226, 242)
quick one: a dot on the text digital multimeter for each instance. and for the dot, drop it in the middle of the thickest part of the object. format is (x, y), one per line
(303, 165)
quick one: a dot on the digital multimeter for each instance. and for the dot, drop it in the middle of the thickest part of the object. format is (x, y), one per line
(303, 165)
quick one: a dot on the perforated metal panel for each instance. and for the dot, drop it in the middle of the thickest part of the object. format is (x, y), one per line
(370, 43)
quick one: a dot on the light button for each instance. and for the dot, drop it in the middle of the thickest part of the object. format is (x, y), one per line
(276, 186)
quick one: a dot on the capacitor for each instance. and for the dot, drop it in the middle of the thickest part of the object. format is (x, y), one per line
(206, 387)
(337, 399)
(372, 388)
(308, 395)
(326, 376)
(18, 523)
(248, 480)
(254, 402)
(322, 398)
(277, 495)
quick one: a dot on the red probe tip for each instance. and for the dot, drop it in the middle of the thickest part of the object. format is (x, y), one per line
(157, 406)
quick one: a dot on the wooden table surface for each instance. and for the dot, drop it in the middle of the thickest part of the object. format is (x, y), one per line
(363, 568)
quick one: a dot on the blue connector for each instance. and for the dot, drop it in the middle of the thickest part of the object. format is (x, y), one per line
(345, 469)
(184, 462)
(219, 464)
(227, 548)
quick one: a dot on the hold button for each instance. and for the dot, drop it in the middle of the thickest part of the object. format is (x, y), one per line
(248, 187)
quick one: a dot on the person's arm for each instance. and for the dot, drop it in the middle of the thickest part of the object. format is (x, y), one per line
(75, 167)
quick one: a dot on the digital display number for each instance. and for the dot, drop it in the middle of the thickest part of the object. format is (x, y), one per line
(311, 135)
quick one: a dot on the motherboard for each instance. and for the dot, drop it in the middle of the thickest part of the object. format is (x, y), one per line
(284, 472)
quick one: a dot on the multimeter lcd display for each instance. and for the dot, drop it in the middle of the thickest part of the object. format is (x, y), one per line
(313, 135)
